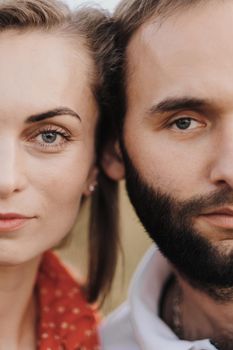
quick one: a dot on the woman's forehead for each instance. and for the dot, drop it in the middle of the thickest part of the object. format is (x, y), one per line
(54, 71)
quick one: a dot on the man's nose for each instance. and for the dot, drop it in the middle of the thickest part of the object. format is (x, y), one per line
(11, 174)
(222, 164)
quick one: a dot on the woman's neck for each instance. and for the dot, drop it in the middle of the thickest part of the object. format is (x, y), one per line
(17, 305)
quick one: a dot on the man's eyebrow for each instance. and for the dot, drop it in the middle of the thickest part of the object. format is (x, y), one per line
(51, 114)
(176, 104)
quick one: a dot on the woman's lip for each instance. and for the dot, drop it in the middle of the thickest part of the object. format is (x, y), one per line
(12, 222)
(8, 216)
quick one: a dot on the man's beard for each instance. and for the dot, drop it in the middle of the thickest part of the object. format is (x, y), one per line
(169, 224)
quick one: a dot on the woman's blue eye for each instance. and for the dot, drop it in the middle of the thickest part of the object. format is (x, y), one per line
(183, 124)
(49, 136)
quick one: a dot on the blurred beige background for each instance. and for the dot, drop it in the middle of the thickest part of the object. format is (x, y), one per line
(134, 242)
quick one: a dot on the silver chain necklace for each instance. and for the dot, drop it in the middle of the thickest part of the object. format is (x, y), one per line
(177, 322)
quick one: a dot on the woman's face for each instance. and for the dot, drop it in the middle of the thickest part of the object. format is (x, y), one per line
(48, 118)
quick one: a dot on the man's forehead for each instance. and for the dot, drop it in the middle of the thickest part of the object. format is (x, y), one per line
(182, 47)
(211, 19)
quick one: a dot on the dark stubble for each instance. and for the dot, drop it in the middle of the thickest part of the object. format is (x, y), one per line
(169, 223)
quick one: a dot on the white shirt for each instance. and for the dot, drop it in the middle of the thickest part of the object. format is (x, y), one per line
(136, 324)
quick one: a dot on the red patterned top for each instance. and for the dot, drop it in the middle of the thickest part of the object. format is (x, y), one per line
(66, 321)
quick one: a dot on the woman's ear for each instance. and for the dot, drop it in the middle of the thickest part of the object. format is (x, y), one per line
(91, 182)
(112, 162)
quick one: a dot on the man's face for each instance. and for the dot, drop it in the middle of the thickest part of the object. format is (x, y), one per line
(178, 139)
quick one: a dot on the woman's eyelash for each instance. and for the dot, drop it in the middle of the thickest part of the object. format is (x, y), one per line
(53, 129)
(49, 138)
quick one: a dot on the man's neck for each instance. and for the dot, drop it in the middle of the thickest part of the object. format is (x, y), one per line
(203, 317)
(209, 318)
(17, 305)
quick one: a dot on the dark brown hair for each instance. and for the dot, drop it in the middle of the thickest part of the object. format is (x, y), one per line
(97, 30)
(129, 16)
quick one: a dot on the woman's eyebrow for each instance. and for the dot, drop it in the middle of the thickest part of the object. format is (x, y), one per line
(52, 113)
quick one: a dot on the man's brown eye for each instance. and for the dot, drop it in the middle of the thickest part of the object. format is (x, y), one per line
(183, 123)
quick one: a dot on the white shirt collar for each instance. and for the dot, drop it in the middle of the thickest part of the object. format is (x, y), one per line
(144, 298)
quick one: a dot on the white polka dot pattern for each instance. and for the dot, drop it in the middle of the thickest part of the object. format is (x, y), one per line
(66, 321)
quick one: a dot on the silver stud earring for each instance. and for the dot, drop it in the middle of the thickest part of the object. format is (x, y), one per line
(92, 188)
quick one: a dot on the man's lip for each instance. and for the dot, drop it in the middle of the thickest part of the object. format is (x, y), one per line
(220, 211)
(219, 217)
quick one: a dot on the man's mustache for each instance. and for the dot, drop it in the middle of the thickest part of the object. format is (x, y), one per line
(205, 203)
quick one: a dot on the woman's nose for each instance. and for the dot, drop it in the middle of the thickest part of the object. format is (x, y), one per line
(11, 168)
